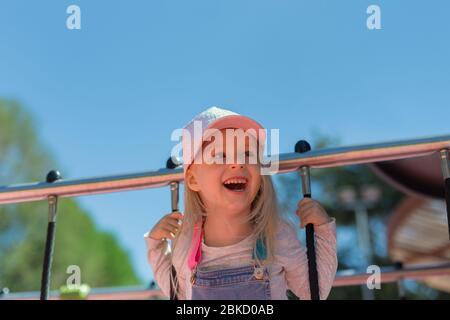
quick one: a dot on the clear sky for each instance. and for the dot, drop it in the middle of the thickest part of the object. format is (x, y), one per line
(107, 97)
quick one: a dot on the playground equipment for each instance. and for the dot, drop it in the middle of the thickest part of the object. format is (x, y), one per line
(55, 187)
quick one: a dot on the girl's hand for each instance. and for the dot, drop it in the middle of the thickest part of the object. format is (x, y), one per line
(167, 227)
(310, 211)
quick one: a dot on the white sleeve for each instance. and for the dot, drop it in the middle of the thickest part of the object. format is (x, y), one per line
(159, 258)
(293, 259)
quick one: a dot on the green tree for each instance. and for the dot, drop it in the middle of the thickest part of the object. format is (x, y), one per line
(23, 157)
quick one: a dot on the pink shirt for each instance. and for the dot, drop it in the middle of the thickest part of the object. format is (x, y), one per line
(289, 270)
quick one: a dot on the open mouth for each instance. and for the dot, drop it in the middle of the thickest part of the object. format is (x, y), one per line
(238, 184)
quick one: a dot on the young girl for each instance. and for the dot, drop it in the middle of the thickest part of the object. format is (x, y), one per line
(231, 242)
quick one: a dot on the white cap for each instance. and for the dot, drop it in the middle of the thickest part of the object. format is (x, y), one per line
(215, 118)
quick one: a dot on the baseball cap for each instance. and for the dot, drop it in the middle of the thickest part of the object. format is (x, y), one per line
(215, 118)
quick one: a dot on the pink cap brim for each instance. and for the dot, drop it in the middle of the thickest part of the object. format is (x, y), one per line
(233, 121)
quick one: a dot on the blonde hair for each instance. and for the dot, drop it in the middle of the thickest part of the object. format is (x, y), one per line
(263, 215)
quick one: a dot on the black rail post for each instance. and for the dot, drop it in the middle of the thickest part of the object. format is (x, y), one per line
(303, 146)
(445, 165)
(52, 176)
(174, 193)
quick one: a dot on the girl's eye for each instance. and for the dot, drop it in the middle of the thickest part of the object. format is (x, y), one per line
(249, 154)
(252, 158)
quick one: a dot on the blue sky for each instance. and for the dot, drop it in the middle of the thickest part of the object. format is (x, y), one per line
(107, 97)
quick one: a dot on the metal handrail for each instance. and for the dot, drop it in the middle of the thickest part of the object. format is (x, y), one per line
(392, 274)
(343, 278)
(287, 162)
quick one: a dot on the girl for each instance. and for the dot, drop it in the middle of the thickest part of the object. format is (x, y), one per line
(231, 242)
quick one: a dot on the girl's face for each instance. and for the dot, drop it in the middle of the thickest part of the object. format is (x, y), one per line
(229, 188)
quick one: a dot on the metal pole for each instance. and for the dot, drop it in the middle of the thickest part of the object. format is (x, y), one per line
(287, 162)
(392, 274)
(388, 275)
(52, 176)
(174, 196)
(445, 165)
(362, 227)
(302, 147)
(400, 284)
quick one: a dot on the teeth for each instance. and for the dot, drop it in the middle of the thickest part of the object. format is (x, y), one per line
(235, 181)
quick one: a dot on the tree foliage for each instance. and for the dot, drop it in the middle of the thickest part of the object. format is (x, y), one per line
(24, 158)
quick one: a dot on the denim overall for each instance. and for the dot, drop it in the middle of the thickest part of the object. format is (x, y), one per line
(249, 282)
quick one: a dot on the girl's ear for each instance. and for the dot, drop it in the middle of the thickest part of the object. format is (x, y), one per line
(191, 181)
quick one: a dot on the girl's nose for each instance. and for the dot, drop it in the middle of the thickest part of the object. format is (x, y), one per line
(235, 166)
